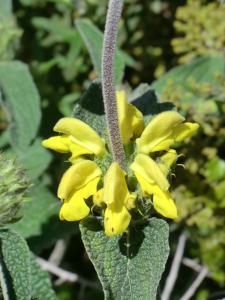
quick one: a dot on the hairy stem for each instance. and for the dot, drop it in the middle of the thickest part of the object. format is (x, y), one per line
(108, 80)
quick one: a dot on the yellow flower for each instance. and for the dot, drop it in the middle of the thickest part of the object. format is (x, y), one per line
(78, 183)
(154, 182)
(81, 180)
(130, 118)
(163, 131)
(147, 167)
(115, 196)
(78, 138)
(167, 160)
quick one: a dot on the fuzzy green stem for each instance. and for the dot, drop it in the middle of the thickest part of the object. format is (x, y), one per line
(108, 80)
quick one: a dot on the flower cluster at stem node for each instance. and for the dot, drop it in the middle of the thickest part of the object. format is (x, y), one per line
(85, 187)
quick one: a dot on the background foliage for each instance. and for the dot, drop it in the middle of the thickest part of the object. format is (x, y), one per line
(49, 53)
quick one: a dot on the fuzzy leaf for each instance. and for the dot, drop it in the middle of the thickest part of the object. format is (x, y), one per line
(90, 109)
(5, 8)
(146, 100)
(186, 83)
(128, 273)
(93, 38)
(41, 284)
(35, 160)
(22, 101)
(202, 70)
(15, 266)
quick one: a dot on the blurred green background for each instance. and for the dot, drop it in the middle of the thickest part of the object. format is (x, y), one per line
(176, 47)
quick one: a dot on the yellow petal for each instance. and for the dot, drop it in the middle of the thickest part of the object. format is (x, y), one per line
(116, 219)
(64, 144)
(167, 160)
(183, 131)
(77, 151)
(164, 204)
(162, 200)
(138, 124)
(88, 190)
(115, 195)
(74, 210)
(147, 168)
(160, 128)
(147, 187)
(164, 145)
(115, 187)
(98, 198)
(59, 143)
(77, 176)
(82, 134)
(130, 118)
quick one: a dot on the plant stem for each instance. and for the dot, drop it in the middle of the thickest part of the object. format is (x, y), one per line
(108, 80)
(174, 270)
(195, 285)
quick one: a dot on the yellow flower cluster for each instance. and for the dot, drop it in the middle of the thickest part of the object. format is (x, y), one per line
(110, 191)
(201, 29)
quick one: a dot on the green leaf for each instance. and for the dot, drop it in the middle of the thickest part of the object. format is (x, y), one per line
(4, 138)
(130, 272)
(5, 8)
(30, 2)
(35, 160)
(214, 169)
(41, 284)
(93, 39)
(188, 85)
(146, 100)
(90, 109)
(128, 60)
(59, 31)
(40, 223)
(15, 265)
(202, 70)
(22, 100)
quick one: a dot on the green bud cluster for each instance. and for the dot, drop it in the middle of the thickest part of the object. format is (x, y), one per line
(201, 30)
(13, 188)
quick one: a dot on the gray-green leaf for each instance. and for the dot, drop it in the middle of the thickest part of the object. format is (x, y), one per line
(35, 160)
(41, 284)
(15, 266)
(202, 70)
(146, 100)
(5, 8)
(22, 100)
(90, 109)
(133, 272)
(93, 38)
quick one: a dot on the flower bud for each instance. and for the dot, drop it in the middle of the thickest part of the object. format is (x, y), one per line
(13, 188)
